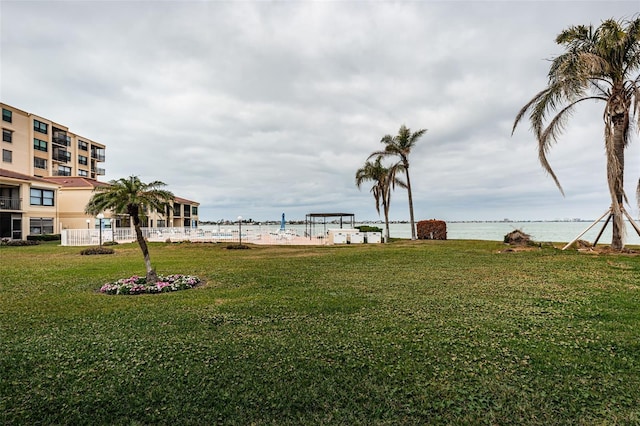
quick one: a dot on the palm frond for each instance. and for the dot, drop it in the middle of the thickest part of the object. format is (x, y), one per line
(638, 194)
(378, 154)
(121, 195)
(597, 85)
(575, 37)
(554, 128)
(526, 108)
(383, 180)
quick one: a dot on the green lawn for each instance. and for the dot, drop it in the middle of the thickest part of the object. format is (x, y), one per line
(436, 332)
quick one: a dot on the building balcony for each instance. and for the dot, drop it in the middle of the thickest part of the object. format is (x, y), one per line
(7, 203)
(61, 155)
(97, 154)
(61, 138)
(61, 173)
(98, 171)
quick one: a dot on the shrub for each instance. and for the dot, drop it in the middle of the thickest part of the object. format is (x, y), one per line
(237, 247)
(44, 237)
(367, 228)
(110, 243)
(432, 229)
(18, 243)
(97, 250)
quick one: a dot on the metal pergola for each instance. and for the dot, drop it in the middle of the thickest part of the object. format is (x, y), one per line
(313, 219)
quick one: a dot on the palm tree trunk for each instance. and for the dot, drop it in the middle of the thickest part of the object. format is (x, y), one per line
(411, 219)
(615, 175)
(385, 207)
(152, 277)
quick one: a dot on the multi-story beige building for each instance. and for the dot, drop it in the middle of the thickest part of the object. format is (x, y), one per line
(48, 174)
(37, 146)
(185, 213)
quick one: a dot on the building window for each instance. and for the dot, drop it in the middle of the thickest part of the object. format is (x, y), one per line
(194, 210)
(83, 145)
(41, 127)
(41, 197)
(7, 135)
(40, 145)
(107, 223)
(63, 171)
(40, 225)
(39, 163)
(7, 156)
(7, 115)
(83, 173)
(82, 160)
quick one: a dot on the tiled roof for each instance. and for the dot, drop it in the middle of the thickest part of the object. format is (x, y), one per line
(184, 201)
(15, 175)
(72, 182)
(75, 182)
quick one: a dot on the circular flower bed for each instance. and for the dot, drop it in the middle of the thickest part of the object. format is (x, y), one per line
(138, 285)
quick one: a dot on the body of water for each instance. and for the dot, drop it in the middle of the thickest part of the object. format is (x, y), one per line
(490, 231)
(539, 231)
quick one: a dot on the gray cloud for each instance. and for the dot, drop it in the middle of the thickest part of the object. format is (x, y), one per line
(255, 108)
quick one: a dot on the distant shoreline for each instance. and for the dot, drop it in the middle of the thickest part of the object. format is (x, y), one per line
(402, 222)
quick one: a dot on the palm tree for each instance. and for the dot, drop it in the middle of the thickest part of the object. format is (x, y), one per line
(401, 146)
(384, 180)
(131, 196)
(597, 65)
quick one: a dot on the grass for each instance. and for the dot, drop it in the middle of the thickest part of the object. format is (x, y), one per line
(437, 332)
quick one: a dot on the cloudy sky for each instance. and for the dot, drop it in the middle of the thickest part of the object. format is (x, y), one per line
(255, 108)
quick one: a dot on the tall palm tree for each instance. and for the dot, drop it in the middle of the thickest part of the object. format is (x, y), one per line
(400, 146)
(384, 180)
(131, 196)
(598, 64)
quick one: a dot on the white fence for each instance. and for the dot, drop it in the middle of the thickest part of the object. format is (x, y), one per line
(89, 237)
(250, 234)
